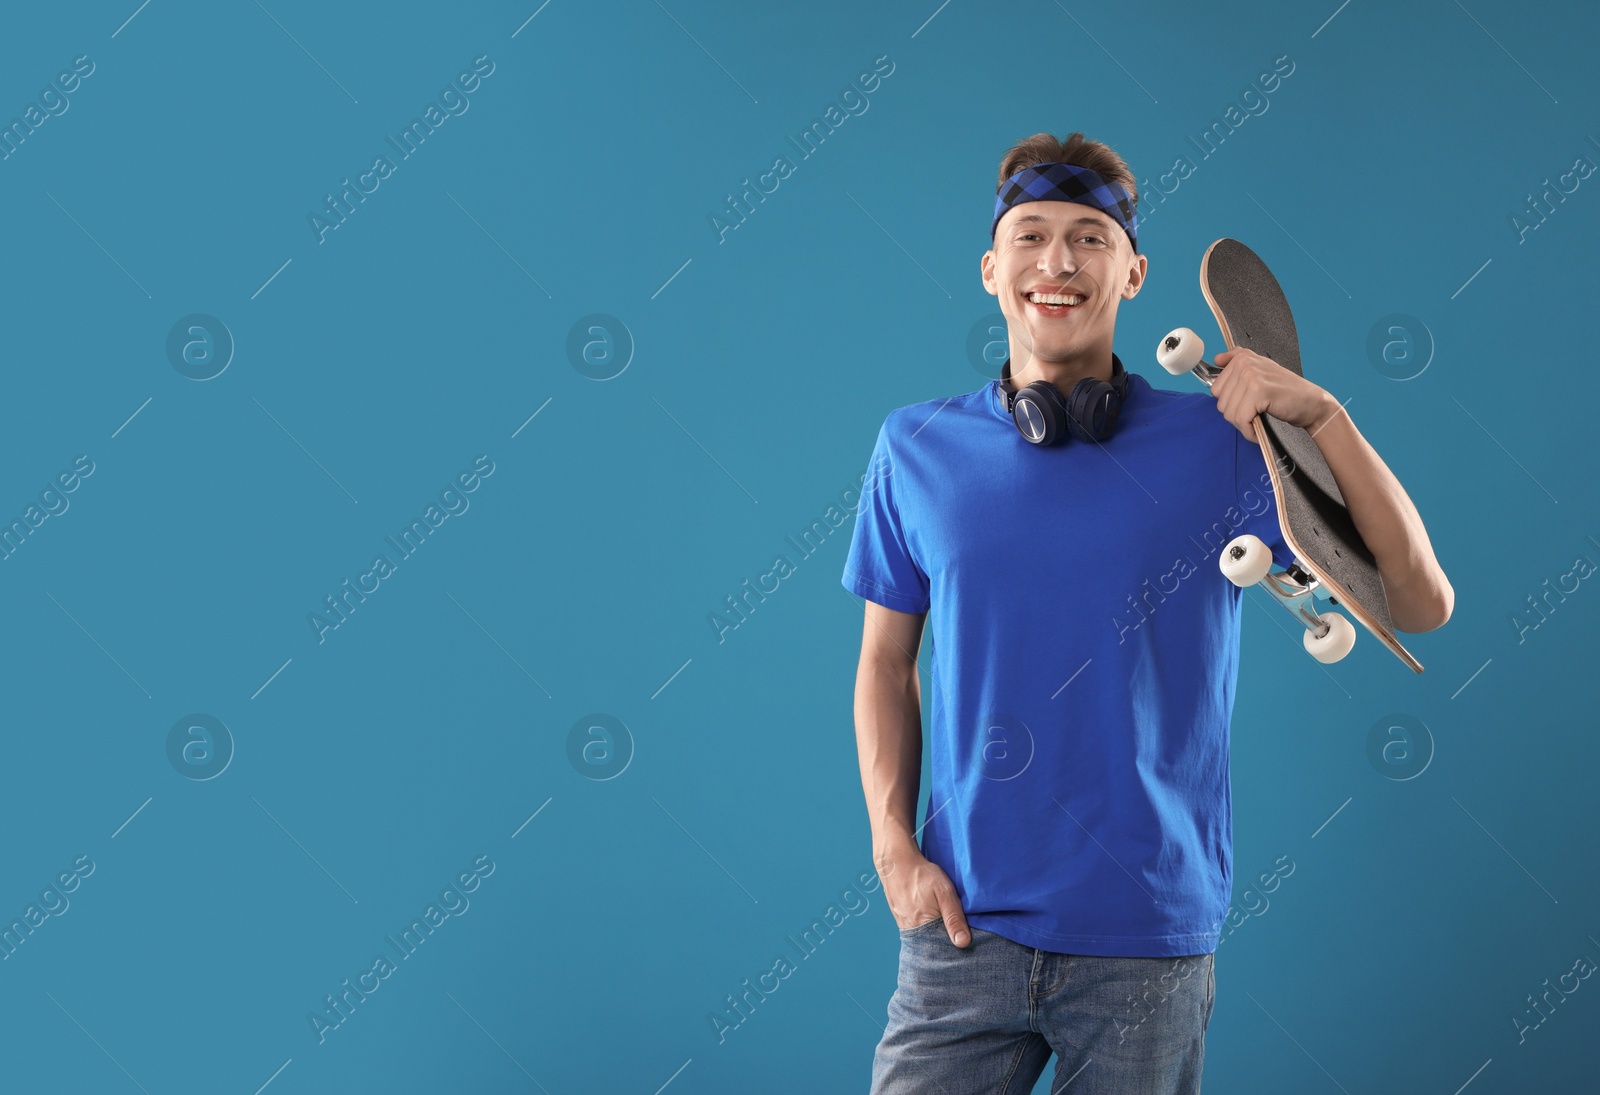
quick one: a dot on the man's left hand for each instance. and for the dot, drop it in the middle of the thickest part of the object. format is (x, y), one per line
(1251, 384)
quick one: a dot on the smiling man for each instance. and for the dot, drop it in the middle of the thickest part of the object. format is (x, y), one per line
(1076, 856)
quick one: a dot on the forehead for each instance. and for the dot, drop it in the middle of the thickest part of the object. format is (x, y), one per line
(1049, 213)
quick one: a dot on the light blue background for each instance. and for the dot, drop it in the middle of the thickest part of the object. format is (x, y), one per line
(371, 769)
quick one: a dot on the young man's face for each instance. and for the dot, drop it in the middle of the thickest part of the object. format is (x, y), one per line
(1061, 248)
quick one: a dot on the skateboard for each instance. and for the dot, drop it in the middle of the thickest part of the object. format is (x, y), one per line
(1329, 555)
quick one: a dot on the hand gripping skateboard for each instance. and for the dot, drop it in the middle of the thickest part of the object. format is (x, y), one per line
(1329, 555)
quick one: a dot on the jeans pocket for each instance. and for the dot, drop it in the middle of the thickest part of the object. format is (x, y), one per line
(917, 929)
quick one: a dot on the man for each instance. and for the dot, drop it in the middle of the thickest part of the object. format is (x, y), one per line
(1076, 857)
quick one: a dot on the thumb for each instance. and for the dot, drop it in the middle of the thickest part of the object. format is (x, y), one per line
(955, 923)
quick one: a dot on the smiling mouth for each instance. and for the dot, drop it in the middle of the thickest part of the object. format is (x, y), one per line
(1054, 304)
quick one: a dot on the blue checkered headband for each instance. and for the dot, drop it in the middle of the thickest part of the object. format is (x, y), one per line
(1065, 182)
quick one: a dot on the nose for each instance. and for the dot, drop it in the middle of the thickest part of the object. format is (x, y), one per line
(1057, 259)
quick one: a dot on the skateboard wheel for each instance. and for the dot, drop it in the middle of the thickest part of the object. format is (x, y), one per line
(1180, 351)
(1335, 642)
(1245, 560)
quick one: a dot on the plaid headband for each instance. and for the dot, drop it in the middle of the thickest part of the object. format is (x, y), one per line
(1065, 182)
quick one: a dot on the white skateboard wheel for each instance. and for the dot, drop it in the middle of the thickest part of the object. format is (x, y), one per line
(1245, 560)
(1336, 643)
(1180, 351)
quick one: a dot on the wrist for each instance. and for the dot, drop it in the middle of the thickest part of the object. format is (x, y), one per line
(893, 846)
(1327, 409)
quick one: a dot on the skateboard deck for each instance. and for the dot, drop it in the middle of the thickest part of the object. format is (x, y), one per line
(1252, 312)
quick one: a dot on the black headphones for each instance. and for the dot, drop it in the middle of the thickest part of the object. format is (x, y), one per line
(1045, 417)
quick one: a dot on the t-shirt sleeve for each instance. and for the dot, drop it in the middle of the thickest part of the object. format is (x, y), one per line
(1256, 500)
(879, 566)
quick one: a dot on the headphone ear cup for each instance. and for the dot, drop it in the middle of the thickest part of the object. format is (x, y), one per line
(1041, 413)
(1092, 409)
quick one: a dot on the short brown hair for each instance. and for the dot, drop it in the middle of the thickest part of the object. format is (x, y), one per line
(1073, 149)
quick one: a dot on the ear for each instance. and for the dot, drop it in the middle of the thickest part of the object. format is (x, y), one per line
(986, 272)
(1136, 272)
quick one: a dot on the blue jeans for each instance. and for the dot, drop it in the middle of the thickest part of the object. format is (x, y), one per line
(985, 1018)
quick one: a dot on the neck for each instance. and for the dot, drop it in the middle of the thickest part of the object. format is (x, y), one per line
(1066, 373)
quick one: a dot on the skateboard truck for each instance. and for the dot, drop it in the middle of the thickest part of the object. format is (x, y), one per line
(1246, 560)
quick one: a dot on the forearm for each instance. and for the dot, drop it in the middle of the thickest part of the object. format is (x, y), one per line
(1420, 596)
(888, 714)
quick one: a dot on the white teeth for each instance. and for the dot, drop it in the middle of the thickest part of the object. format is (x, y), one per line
(1055, 298)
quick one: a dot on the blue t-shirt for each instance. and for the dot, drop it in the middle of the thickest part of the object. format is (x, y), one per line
(1084, 647)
